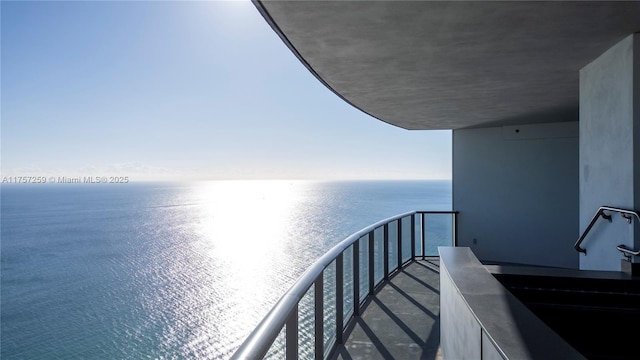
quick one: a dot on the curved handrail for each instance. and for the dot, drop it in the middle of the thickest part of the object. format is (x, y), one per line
(260, 340)
(601, 212)
(285, 311)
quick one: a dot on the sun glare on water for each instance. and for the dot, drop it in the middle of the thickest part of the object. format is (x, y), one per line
(245, 220)
(243, 227)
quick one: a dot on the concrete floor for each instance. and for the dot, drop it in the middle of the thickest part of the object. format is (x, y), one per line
(402, 320)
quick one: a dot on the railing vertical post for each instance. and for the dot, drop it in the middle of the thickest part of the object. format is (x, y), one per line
(291, 333)
(385, 246)
(399, 233)
(455, 229)
(413, 237)
(339, 298)
(423, 237)
(356, 278)
(372, 273)
(319, 317)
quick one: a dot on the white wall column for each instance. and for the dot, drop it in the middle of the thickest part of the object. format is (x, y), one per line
(609, 150)
(516, 188)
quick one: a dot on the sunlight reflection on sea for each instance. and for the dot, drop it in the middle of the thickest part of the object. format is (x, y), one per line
(171, 271)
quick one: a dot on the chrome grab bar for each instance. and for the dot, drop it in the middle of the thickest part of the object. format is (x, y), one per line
(627, 252)
(627, 214)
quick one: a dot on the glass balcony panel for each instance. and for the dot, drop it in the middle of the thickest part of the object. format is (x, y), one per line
(438, 232)
(406, 238)
(364, 267)
(329, 306)
(347, 287)
(418, 232)
(378, 255)
(393, 246)
(306, 325)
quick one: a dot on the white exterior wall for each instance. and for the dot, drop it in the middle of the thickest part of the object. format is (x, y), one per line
(516, 188)
(609, 145)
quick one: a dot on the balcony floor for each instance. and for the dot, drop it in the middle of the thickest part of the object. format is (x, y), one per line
(402, 320)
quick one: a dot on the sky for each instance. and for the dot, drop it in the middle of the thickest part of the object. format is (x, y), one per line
(161, 90)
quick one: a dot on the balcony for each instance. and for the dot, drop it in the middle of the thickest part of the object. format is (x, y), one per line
(400, 289)
(368, 294)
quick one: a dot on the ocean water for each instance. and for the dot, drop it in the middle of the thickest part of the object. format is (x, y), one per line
(170, 270)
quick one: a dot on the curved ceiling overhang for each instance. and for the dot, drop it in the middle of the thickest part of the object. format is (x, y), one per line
(453, 64)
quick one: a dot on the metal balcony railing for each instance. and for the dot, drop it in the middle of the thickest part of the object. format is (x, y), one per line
(309, 320)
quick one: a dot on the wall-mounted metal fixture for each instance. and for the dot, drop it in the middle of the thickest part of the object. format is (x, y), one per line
(628, 253)
(627, 214)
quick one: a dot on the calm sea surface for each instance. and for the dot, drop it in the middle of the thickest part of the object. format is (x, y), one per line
(170, 271)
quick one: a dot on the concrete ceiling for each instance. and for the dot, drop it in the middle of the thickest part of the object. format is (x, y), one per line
(453, 64)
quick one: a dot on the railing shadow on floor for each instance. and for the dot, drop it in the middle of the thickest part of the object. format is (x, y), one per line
(401, 320)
